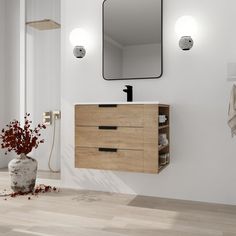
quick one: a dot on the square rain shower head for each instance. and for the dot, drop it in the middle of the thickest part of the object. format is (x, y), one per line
(45, 24)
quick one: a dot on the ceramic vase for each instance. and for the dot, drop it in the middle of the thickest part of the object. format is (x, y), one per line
(23, 172)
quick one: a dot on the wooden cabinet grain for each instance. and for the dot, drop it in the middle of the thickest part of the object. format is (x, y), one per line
(120, 137)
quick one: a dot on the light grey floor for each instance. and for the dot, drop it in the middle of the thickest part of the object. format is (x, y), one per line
(89, 213)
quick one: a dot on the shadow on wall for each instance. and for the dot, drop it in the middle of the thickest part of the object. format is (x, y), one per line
(100, 180)
(91, 179)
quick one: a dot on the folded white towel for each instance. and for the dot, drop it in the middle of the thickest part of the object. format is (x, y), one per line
(232, 111)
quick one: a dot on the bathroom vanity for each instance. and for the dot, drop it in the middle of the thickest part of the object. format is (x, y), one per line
(122, 137)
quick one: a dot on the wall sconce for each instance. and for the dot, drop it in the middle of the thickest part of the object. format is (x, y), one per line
(185, 28)
(78, 38)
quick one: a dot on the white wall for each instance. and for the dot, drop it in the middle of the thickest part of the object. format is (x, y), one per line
(143, 60)
(9, 64)
(2, 60)
(3, 160)
(43, 76)
(43, 9)
(43, 88)
(12, 59)
(194, 83)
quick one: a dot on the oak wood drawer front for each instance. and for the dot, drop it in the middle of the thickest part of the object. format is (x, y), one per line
(120, 115)
(121, 138)
(122, 160)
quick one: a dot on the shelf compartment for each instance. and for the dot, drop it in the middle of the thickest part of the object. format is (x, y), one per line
(163, 126)
(160, 148)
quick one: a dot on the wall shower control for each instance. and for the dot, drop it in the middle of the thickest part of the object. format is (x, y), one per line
(57, 115)
(50, 116)
(47, 118)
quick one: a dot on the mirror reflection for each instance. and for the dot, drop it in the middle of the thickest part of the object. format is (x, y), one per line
(132, 39)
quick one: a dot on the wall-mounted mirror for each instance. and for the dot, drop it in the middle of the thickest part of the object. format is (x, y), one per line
(132, 39)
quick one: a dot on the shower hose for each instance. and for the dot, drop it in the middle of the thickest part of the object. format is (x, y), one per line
(52, 147)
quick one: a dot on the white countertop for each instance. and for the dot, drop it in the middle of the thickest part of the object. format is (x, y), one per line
(116, 103)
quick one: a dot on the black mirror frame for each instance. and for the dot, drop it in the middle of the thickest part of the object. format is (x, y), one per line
(103, 39)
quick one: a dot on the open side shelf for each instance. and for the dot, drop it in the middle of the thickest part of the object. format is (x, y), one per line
(160, 148)
(164, 129)
(163, 126)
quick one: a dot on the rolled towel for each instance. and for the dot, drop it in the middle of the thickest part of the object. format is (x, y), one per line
(232, 111)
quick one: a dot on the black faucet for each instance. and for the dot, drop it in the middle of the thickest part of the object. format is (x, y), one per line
(129, 91)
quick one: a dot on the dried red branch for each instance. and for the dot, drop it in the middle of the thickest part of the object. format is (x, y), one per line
(21, 139)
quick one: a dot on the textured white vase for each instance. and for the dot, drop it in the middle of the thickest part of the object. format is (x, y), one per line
(23, 172)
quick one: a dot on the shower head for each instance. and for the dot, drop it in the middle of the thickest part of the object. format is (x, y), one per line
(45, 24)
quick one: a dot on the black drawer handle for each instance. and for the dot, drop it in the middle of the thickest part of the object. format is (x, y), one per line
(107, 149)
(107, 105)
(108, 127)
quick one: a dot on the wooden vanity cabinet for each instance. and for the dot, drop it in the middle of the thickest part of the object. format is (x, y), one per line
(121, 137)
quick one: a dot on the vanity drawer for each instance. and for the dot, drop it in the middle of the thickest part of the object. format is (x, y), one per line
(120, 137)
(121, 160)
(119, 115)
